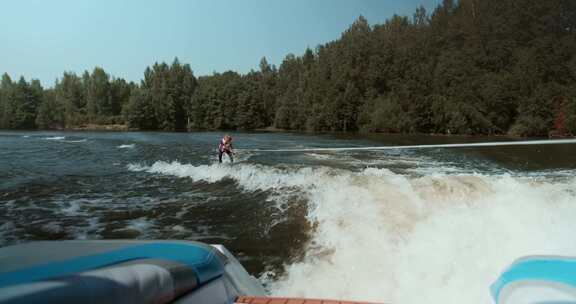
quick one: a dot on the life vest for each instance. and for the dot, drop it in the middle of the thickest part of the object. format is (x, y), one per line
(224, 146)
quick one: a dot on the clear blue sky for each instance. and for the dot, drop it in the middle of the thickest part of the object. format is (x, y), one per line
(41, 39)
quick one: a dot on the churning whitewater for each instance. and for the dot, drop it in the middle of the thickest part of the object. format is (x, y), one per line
(435, 225)
(382, 236)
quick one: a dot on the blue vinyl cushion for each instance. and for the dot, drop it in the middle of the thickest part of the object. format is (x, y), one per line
(202, 260)
(541, 268)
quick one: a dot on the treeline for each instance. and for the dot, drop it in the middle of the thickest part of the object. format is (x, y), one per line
(94, 98)
(468, 67)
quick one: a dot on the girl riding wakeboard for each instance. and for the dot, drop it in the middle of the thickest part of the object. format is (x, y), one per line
(225, 146)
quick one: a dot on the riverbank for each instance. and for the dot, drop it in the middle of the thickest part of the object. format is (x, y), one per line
(125, 128)
(96, 127)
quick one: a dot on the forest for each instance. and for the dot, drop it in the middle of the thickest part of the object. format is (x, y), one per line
(490, 67)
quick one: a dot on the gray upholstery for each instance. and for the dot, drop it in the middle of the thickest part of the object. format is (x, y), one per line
(153, 280)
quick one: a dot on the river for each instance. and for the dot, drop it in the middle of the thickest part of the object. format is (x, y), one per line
(398, 226)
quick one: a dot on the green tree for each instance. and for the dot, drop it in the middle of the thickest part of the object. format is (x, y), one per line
(162, 102)
(98, 96)
(139, 112)
(6, 100)
(21, 101)
(50, 112)
(69, 93)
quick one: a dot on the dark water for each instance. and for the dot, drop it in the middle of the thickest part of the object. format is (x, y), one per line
(88, 185)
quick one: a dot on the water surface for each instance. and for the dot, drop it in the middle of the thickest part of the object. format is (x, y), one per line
(365, 225)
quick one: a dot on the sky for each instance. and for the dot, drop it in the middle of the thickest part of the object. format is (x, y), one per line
(41, 39)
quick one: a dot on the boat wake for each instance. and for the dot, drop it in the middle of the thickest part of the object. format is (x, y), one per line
(389, 237)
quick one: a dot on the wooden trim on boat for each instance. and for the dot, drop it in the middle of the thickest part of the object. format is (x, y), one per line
(272, 300)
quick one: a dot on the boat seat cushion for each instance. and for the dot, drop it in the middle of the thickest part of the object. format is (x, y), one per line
(131, 273)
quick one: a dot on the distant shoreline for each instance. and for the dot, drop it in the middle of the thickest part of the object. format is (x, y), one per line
(96, 127)
(125, 128)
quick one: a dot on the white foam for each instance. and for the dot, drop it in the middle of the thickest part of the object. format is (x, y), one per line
(433, 240)
(250, 177)
(73, 208)
(137, 167)
(52, 227)
(179, 228)
(55, 138)
(320, 156)
(141, 225)
(130, 146)
(76, 141)
(385, 237)
(90, 231)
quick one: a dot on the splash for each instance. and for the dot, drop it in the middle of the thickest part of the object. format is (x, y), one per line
(381, 236)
